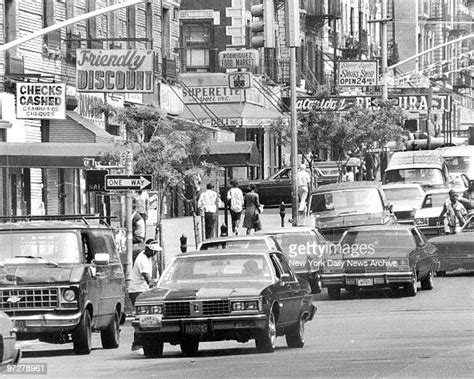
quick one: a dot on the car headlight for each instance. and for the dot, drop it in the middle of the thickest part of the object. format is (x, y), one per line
(69, 295)
(149, 309)
(246, 305)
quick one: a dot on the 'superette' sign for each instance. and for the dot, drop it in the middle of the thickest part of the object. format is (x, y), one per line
(114, 70)
(41, 101)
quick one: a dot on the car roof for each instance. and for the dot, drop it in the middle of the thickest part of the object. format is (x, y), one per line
(237, 238)
(227, 252)
(457, 151)
(48, 225)
(436, 191)
(347, 185)
(403, 185)
(395, 227)
(286, 230)
(418, 158)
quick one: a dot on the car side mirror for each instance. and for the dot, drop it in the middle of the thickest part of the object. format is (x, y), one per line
(389, 207)
(101, 259)
(285, 278)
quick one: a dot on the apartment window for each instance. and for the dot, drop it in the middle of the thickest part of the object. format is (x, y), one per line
(10, 22)
(197, 42)
(131, 26)
(166, 26)
(52, 39)
(197, 58)
(92, 27)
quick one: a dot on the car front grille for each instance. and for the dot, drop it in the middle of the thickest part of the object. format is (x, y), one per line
(29, 298)
(177, 309)
(215, 307)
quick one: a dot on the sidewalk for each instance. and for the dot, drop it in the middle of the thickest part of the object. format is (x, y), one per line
(173, 228)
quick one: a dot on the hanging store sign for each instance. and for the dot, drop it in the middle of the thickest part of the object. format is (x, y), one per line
(238, 58)
(41, 101)
(114, 70)
(211, 94)
(357, 73)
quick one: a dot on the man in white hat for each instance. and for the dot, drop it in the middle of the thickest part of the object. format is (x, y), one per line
(140, 277)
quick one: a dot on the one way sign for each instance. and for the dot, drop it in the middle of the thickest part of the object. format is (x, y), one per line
(128, 182)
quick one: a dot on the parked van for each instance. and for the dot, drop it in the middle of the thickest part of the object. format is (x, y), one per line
(425, 167)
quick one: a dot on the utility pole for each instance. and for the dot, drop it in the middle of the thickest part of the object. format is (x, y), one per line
(128, 220)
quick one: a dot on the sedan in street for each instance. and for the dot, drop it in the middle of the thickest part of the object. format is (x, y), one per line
(211, 296)
(378, 257)
(405, 199)
(240, 242)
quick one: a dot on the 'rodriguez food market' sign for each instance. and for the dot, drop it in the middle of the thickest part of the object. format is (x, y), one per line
(114, 70)
(41, 101)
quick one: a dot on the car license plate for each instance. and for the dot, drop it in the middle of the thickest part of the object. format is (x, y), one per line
(365, 282)
(196, 328)
(20, 324)
(150, 321)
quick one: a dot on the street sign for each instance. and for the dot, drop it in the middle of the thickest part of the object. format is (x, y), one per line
(240, 80)
(128, 182)
(238, 58)
(95, 180)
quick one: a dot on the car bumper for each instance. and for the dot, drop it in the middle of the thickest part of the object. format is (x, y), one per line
(45, 323)
(437, 230)
(209, 324)
(368, 280)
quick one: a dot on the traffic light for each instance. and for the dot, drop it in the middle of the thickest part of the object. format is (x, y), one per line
(263, 22)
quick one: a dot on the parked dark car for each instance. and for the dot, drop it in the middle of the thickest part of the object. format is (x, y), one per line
(253, 242)
(210, 296)
(305, 247)
(9, 352)
(277, 187)
(334, 208)
(456, 251)
(377, 257)
(61, 279)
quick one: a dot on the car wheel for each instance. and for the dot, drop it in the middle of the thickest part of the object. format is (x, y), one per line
(334, 292)
(412, 288)
(110, 337)
(427, 282)
(82, 335)
(153, 348)
(265, 339)
(440, 273)
(190, 346)
(295, 337)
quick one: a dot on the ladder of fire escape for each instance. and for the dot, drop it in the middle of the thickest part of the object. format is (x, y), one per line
(269, 95)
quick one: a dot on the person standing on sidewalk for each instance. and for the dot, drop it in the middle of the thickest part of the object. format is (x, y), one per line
(303, 180)
(236, 202)
(208, 203)
(252, 210)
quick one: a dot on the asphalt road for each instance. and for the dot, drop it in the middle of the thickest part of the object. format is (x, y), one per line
(375, 335)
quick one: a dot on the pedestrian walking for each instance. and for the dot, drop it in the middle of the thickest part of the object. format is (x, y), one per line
(454, 212)
(349, 174)
(235, 197)
(252, 210)
(303, 180)
(208, 204)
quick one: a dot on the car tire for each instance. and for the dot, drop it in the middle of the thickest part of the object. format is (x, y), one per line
(153, 347)
(82, 335)
(110, 336)
(265, 339)
(190, 347)
(295, 337)
(411, 288)
(334, 292)
(427, 282)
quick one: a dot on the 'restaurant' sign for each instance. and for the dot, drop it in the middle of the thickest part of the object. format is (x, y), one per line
(357, 73)
(41, 101)
(114, 70)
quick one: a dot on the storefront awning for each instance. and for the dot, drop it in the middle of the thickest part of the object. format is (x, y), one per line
(244, 115)
(65, 155)
(233, 154)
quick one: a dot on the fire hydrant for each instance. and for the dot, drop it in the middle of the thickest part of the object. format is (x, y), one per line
(282, 214)
(183, 243)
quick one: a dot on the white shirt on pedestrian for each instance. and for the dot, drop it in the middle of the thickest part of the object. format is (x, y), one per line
(142, 265)
(303, 178)
(208, 200)
(236, 197)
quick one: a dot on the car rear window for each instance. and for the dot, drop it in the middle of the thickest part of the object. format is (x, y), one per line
(380, 241)
(360, 200)
(434, 200)
(244, 244)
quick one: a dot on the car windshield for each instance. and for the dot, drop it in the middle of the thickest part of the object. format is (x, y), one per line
(434, 200)
(403, 197)
(284, 173)
(353, 201)
(427, 176)
(236, 244)
(379, 242)
(38, 247)
(225, 267)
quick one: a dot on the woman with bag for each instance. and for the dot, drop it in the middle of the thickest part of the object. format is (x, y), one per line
(252, 210)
